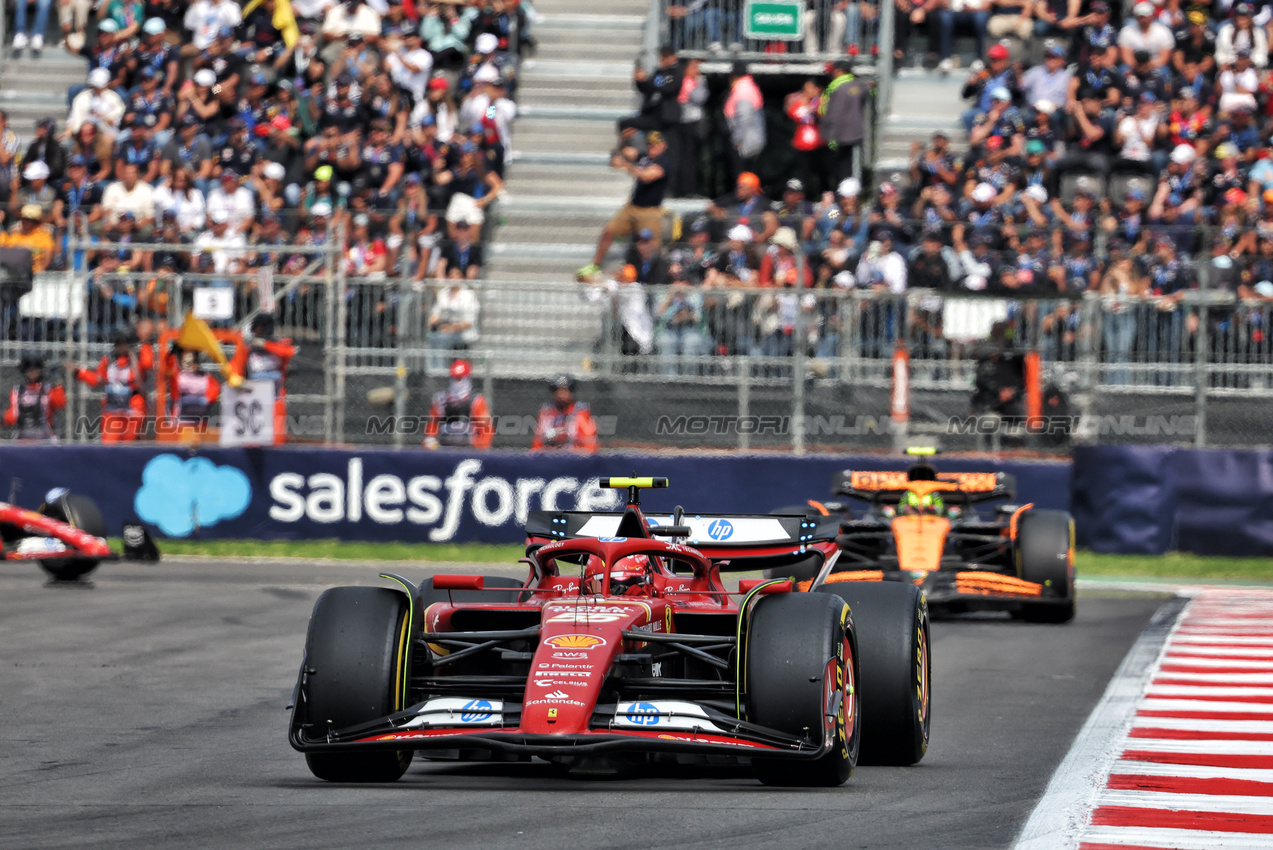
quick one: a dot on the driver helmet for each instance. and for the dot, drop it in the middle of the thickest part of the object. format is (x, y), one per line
(930, 503)
(627, 575)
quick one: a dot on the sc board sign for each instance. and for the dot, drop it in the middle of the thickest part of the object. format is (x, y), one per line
(775, 20)
(247, 414)
(214, 303)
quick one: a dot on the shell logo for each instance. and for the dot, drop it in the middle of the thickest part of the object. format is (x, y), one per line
(575, 641)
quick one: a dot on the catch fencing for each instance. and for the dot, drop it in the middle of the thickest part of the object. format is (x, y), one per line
(720, 365)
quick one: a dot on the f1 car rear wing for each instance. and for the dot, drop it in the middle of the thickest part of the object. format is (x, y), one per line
(736, 537)
(890, 485)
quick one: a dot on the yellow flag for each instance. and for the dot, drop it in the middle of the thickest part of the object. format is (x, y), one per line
(197, 336)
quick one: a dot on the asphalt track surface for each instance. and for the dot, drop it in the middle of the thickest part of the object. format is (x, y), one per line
(147, 710)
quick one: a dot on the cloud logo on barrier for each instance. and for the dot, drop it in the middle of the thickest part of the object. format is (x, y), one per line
(178, 496)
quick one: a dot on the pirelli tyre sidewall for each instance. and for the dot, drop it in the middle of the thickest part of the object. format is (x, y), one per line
(81, 512)
(892, 628)
(801, 658)
(355, 669)
(1045, 555)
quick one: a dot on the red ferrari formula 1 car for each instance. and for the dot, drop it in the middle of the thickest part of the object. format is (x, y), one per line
(65, 534)
(923, 527)
(619, 648)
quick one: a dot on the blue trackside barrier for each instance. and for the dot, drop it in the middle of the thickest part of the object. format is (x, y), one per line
(417, 496)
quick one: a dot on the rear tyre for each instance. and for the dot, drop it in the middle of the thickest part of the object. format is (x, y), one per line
(1044, 556)
(891, 621)
(800, 658)
(354, 657)
(81, 512)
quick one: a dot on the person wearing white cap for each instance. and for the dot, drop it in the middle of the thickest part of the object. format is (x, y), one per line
(35, 189)
(734, 264)
(34, 35)
(98, 105)
(269, 186)
(1144, 32)
(224, 245)
(234, 199)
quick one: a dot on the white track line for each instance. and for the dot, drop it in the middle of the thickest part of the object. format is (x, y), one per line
(1191, 725)
(1233, 804)
(1152, 704)
(1206, 691)
(1058, 820)
(1128, 767)
(1246, 664)
(1177, 839)
(1190, 640)
(1211, 747)
(1219, 678)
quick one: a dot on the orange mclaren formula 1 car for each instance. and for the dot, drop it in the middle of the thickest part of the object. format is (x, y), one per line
(941, 532)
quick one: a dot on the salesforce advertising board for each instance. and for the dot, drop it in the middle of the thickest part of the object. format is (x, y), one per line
(426, 497)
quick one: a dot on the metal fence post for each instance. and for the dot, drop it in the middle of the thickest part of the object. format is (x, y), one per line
(1202, 377)
(329, 341)
(406, 302)
(341, 335)
(801, 334)
(744, 400)
(884, 41)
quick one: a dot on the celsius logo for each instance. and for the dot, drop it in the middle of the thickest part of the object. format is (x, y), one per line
(644, 714)
(720, 529)
(575, 641)
(476, 711)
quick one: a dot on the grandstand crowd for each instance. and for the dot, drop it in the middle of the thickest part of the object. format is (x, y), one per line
(1131, 158)
(231, 131)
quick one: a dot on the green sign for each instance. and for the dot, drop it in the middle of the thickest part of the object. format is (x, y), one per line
(777, 20)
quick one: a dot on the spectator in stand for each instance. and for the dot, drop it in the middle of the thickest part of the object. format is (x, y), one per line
(461, 255)
(745, 115)
(969, 14)
(793, 211)
(646, 256)
(660, 107)
(204, 19)
(881, 267)
(644, 210)
(841, 111)
(746, 205)
(1241, 33)
(33, 35)
(459, 416)
(928, 268)
(453, 319)
(100, 106)
(224, 246)
(35, 188)
(45, 148)
(79, 201)
(1049, 81)
(565, 423)
(984, 81)
(1145, 33)
(630, 306)
(130, 194)
(32, 234)
(690, 131)
(34, 402)
(1137, 136)
(845, 216)
(445, 29)
(1011, 17)
(681, 326)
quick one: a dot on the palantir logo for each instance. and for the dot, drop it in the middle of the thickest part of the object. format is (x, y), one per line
(476, 711)
(644, 714)
(720, 529)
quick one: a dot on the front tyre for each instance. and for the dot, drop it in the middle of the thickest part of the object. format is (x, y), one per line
(355, 655)
(801, 678)
(81, 512)
(891, 621)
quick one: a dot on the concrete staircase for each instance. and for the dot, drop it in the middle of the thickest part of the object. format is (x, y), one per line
(560, 188)
(31, 89)
(923, 103)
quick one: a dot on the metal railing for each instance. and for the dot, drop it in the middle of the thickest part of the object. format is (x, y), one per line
(784, 31)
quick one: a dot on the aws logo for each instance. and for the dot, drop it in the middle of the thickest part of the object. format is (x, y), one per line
(575, 641)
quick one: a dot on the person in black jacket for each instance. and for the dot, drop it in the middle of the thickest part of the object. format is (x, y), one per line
(45, 148)
(660, 109)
